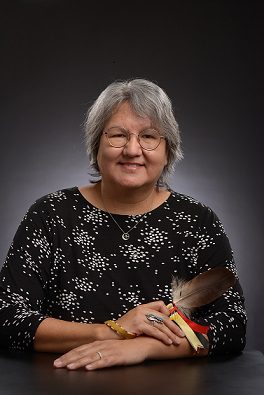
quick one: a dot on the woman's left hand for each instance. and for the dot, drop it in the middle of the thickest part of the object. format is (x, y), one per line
(102, 354)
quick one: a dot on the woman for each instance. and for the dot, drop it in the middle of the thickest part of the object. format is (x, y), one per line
(89, 272)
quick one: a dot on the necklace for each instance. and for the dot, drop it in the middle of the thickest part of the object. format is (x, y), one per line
(125, 234)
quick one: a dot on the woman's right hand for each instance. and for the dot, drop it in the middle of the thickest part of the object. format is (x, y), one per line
(136, 321)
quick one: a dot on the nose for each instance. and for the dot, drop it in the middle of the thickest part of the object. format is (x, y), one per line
(132, 147)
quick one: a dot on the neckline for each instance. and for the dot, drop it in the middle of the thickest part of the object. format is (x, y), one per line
(87, 202)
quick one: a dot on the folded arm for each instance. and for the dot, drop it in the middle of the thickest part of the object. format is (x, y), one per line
(102, 354)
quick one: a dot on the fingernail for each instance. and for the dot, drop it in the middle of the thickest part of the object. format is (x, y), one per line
(170, 341)
(181, 333)
(57, 363)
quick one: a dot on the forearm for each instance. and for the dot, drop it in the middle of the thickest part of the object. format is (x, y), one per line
(54, 335)
(155, 349)
(125, 352)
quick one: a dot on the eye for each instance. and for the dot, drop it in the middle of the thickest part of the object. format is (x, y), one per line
(116, 133)
(149, 134)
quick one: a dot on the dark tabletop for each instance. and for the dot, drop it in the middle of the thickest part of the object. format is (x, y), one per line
(230, 375)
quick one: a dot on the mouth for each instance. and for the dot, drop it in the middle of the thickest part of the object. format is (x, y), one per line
(131, 165)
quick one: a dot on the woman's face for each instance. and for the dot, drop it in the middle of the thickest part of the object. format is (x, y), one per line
(130, 166)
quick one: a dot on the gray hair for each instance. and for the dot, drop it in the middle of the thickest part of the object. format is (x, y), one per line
(147, 100)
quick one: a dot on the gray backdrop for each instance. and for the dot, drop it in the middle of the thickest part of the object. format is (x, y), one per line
(57, 56)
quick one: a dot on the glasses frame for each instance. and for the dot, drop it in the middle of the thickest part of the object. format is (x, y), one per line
(128, 134)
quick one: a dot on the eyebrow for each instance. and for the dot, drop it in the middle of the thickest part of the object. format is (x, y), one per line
(127, 130)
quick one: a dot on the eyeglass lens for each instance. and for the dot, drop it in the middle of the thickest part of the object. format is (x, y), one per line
(148, 139)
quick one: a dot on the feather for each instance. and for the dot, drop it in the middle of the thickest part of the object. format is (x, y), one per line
(202, 289)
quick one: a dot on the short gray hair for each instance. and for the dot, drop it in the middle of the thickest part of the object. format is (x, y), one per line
(147, 100)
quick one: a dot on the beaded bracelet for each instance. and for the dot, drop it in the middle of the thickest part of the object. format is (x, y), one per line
(120, 330)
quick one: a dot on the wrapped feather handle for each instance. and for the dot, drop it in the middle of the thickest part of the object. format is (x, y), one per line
(202, 289)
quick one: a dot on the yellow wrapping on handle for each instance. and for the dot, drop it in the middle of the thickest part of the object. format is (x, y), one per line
(189, 333)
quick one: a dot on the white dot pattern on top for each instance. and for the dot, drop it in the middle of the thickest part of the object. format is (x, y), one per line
(69, 261)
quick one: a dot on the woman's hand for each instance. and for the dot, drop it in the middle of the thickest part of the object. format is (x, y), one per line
(102, 354)
(141, 321)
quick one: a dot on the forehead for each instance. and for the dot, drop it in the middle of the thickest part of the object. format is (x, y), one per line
(126, 117)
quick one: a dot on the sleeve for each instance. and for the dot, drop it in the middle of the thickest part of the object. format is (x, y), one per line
(23, 280)
(226, 317)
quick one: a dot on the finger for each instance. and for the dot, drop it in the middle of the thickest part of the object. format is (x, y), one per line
(70, 357)
(167, 322)
(101, 363)
(76, 359)
(158, 305)
(174, 327)
(153, 329)
(174, 335)
(166, 326)
(88, 359)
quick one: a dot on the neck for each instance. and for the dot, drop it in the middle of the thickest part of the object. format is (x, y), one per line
(126, 201)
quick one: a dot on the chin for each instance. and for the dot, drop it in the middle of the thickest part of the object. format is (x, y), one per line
(130, 183)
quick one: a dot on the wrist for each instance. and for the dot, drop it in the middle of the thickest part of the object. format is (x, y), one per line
(117, 328)
(146, 345)
(106, 333)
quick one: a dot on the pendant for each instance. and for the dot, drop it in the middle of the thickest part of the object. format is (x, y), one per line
(125, 236)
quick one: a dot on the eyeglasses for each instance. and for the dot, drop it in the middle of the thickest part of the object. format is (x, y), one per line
(148, 139)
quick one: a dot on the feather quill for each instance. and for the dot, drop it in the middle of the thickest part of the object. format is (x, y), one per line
(202, 289)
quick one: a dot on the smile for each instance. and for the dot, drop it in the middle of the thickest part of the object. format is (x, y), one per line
(131, 166)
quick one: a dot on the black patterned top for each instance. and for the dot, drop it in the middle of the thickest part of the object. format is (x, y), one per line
(68, 260)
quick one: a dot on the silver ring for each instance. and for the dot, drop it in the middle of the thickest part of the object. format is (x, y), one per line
(154, 318)
(99, 354)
